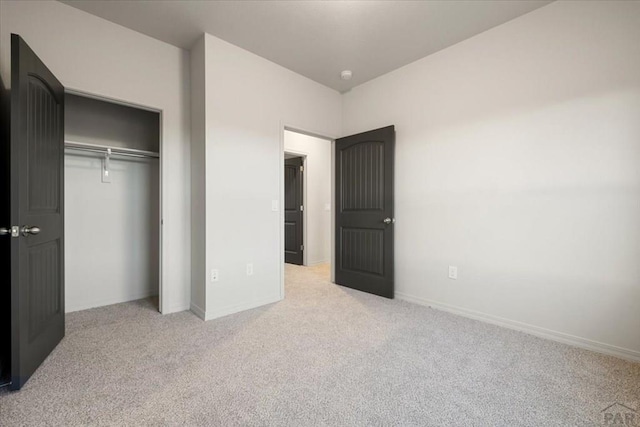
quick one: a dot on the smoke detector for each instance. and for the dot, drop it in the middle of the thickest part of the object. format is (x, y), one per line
(346, 75)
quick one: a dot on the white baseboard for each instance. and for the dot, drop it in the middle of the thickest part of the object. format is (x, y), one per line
(231, 309)
(85, 305)
(195, 309)
(176, 308)
(562, 337)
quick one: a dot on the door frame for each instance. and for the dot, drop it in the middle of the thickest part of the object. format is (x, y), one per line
(162, 304)
(305, 261)
(332, 140)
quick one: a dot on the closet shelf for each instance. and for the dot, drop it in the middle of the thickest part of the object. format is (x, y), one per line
(104, 149)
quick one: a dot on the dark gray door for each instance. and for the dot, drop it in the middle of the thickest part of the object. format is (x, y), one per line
(364, 211)
(5, 247)
(36, 212)
(293, 243)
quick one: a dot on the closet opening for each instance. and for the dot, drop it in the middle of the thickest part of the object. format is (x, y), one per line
(112, 203)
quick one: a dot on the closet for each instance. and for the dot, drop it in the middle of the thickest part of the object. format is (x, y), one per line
(80, 227)
(112, 203)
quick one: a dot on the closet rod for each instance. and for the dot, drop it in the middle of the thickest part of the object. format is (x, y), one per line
(119, 151)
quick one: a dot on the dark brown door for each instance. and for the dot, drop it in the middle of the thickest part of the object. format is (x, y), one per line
(293, 243)
(36, 212)
(364, 211)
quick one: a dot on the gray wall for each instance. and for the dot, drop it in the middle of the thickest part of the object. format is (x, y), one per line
(198, 180)
(97, 122)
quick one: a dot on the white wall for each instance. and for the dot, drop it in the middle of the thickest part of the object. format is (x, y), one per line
(518, 161)
(249, 100)
(317, 194)
(92, 55)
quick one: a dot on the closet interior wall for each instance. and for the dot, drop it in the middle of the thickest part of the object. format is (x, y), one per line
(112, 230)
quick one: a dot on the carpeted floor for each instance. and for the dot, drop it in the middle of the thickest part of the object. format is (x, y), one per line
(325, 355)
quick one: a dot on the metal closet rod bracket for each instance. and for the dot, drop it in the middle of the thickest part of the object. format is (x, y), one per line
(105, 167)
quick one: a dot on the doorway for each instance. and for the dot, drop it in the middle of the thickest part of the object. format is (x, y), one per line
(361, 207)
(308, 177)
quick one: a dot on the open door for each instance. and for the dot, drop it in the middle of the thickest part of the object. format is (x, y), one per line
(5, 248)
(36, 194)
(293, 196)
(364, 211)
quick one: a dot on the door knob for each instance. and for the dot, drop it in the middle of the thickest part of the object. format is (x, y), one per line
(12, 231)
(389, 220)
(26, 230)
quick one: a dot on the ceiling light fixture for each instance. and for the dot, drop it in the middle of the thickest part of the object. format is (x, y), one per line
(346, 75)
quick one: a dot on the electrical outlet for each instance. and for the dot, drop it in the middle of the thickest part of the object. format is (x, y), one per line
(214, 275)
(453, 272)
(249, 269)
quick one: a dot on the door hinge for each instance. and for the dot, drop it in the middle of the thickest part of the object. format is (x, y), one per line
(302, 247)
(301, 208)
(301, 168)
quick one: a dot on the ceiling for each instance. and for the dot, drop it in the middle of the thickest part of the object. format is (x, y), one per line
(317, 39)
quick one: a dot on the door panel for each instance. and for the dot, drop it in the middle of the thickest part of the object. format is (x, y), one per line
(293, 241)
(363, 250)
(43, 263)
(362, 167)
(364, 199)
(42, 122)
(36, 187)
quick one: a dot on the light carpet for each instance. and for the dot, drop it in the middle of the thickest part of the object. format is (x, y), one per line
(326, 355)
